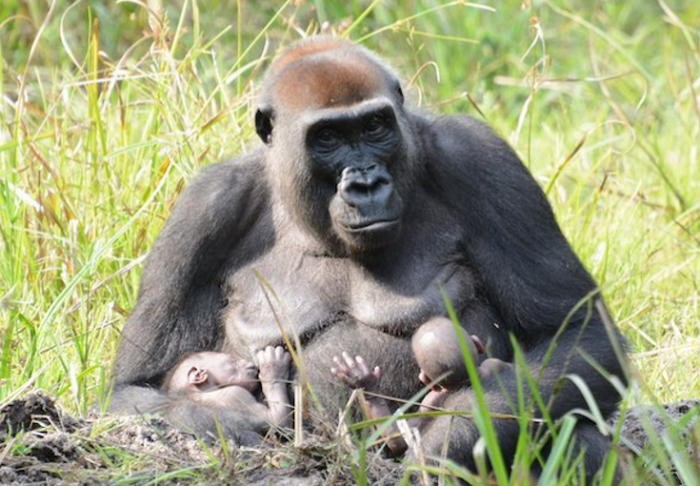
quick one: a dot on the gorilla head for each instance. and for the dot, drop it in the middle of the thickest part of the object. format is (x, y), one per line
(339, 144)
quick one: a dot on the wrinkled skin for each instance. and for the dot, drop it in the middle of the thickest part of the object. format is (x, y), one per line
(343, 229)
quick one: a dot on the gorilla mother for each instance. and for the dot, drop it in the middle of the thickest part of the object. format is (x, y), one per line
(357, 212)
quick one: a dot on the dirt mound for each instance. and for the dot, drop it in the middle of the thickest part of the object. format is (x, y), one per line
(48, 446)
(44, 445)
(34, 411)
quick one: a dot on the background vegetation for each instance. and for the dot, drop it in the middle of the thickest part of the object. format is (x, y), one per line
(109, 108)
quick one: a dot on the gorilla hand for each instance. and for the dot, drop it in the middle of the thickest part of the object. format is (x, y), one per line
(273, 363)
(355, 373)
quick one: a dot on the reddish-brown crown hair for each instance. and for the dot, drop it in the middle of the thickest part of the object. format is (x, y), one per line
(323, 72)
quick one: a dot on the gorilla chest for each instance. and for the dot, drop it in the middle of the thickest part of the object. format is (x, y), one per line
(289, 290)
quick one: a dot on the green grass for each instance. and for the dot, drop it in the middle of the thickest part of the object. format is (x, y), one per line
(107, 112)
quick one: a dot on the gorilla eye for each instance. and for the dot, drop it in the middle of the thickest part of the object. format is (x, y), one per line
(376, 125)
(327, 136)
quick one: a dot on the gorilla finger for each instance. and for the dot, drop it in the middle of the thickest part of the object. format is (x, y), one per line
(349, 361)
(340, 365)
(361, 365)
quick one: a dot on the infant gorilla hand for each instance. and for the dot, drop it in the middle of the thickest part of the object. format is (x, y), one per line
(355, 373)
(273, 363)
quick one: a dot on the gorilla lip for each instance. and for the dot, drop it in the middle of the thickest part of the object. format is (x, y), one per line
(372, 225)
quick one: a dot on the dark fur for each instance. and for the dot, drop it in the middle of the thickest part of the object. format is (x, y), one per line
(473, 221)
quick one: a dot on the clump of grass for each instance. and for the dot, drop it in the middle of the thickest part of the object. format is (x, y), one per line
(106, 113)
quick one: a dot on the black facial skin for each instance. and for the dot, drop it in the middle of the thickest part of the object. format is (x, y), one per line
(360, 214)
(355, 153)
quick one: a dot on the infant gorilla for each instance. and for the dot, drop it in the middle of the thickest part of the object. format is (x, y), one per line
(219, 380)
(436, 348)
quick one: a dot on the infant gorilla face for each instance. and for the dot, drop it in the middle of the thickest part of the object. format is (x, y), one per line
(220, 370)
(224, 370)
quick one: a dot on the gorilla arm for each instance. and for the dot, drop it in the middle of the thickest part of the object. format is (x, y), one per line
(529, 275)
(180, 297)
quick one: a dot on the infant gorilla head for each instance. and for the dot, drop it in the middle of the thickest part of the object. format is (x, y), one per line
(209, 370)
(436, 346)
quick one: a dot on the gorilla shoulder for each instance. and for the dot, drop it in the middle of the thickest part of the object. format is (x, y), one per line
(233, 184)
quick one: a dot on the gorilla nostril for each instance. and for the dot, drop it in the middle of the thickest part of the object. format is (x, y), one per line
(369, 168)
(382, 181)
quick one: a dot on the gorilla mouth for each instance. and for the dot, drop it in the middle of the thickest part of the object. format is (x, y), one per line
(377, 225)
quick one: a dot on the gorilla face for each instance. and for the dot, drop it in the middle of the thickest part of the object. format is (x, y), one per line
(354, 152)
(340, 147)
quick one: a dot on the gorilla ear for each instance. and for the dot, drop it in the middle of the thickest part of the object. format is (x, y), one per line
(264, 117)
(197, 376)
(399, 92)
(480, 348)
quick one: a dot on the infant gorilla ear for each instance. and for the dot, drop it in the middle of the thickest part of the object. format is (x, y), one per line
(362, 215)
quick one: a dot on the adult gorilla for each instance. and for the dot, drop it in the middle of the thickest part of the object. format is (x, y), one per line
(356, 211)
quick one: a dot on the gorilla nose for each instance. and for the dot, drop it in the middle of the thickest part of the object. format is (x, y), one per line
(360, 186)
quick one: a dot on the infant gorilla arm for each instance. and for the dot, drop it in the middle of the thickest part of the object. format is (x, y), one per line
(219, 380)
